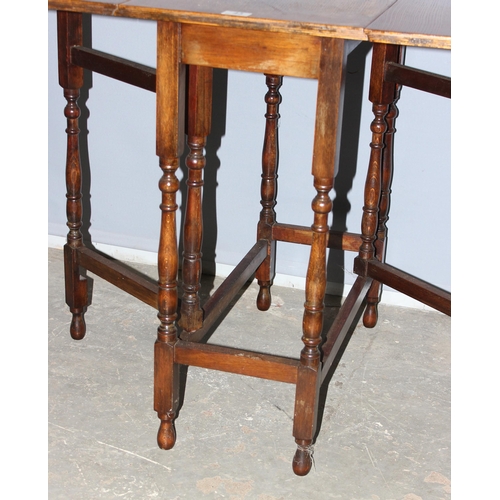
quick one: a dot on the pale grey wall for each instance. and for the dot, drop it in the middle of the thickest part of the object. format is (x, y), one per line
(125, 173)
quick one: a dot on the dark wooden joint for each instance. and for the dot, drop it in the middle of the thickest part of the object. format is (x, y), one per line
(114, 67)
(418, 79)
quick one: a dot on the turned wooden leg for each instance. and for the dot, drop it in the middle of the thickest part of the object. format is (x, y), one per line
(370, 316)
(198, 128)
(70, 33)
(369, 221)
(165, 369)
(169, 145)
(328, 111)
(306, 400)
(384, 96)
(265, 273)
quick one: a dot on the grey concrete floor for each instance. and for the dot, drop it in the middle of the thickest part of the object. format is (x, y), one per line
(385, 428)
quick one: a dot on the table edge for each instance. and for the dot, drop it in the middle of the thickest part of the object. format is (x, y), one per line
(409, 39)
(120, 9)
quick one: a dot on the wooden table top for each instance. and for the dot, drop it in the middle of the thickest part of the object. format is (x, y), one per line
(424, 23)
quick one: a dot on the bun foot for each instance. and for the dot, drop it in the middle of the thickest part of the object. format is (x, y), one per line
(264, 298)
(370, 317)
(302, 460)
(78, 327)
(166, 435)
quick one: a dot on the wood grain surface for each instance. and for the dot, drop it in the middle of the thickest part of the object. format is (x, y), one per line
(422, 23)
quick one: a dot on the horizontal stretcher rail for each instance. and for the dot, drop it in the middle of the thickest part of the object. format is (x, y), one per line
(291, 233)
(410, 285)
(228, 290)
(232, 360)
(418, 79)
(120, 275)
(118, 68)
(344, 322)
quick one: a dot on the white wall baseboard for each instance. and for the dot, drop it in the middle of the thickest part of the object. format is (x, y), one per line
(389, 297)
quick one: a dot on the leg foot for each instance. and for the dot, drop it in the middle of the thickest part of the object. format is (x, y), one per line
(302, 460)
(370, 316)
(78, 327)
(166, 434)
(264, 298)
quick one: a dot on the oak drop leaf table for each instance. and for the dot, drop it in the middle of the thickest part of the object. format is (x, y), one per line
(308, 39)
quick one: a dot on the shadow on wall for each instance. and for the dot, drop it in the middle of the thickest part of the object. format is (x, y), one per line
(350, 132)
(214, 140)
